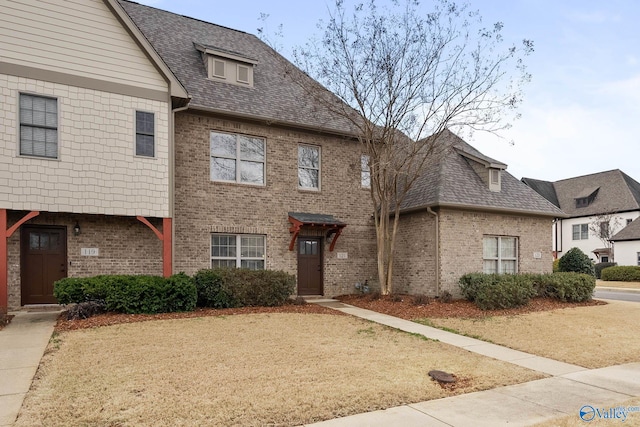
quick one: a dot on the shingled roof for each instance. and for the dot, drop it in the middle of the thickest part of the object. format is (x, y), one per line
(630, 232)
(274, 97)
(612, 191)
(450, 180)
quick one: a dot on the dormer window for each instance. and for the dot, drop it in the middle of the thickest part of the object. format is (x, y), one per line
(587, 197)
(227, 66)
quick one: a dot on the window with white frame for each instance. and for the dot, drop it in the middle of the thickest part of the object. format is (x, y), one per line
(638, 254)
(500, 254)
(38, 126)
(308, 167)
(365, 172)
(580, 231)
(145, 134)
(237, 158)
(238, 250)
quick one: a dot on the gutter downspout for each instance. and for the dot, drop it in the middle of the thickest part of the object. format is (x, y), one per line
(437, 249)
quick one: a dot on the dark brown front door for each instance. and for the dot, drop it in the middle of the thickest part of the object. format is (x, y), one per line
(309, 266)
(43, 261)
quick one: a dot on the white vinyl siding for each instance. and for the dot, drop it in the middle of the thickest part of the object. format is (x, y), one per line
(77, 37)
(500, 255)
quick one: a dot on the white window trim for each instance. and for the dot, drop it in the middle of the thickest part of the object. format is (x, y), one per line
(58, 128)
(213, 68)
(155, 134)
(499, 258)
(248, 80)
(238, 160)
(238, 258)
(581, 236)
(317, 147)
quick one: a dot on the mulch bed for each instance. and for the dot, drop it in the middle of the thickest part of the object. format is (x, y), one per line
(403, 306)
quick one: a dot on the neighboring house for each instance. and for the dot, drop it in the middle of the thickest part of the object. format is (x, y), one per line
(598, 206)
(468, 214)
(85, 147)
(626, 244)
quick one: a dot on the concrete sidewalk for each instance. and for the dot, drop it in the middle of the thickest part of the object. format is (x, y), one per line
(570, 390)
(22, 344)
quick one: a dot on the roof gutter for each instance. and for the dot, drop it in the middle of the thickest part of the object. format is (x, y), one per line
(272, 121)
(484, 208)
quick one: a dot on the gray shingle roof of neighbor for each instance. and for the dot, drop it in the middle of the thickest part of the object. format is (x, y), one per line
(274, 98)
(630, 232)
(450, 180)
(616, 192)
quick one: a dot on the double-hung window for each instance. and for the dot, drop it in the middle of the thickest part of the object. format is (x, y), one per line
(237, 158)
(365, 172)
(238, 250)
(308, 167)
(38, 126)
(580, 231)
(145, 134)
(500, 254)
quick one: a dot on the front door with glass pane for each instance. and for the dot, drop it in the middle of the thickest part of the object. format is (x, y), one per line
(309, 266)
(43, 260)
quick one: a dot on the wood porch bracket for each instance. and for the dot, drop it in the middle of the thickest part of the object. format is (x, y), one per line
(332, 226)
(5, 233)
(165, 238)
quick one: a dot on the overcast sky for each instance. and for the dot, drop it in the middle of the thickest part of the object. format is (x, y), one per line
(581, 112)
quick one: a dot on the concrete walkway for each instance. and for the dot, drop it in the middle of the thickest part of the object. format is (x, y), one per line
(22, 344)
(570, 390)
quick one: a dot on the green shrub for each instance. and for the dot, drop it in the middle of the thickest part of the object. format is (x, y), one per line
(556, 267)
(495, 291)
(570, 287)
(576, 261)
(211, 291)
(130, 294)
(239, 287)
(622, 273)
(601, 266)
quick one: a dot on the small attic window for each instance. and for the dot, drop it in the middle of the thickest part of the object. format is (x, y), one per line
(243, 74)
(587, 197)
(494, 179)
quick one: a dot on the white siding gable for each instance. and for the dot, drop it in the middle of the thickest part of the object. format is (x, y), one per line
(76, 37)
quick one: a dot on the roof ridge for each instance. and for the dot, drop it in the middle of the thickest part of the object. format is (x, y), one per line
(188, 17)
(589, 174)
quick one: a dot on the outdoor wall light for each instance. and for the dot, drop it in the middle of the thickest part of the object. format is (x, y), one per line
(76, 229)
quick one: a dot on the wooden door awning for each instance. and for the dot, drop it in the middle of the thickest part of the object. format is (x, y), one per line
(331, 225)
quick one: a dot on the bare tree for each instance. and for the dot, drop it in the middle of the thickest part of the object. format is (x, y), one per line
(604, 226)
(400, 77)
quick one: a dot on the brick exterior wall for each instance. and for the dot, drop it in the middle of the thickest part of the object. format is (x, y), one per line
(203, 207)
(126, 246)
(461, 234)
(460, 249)
(415, 257)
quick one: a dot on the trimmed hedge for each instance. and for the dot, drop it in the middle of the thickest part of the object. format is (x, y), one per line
(622, 273)
(237, 287)
(576, 261)
(495, 291)
(130, 294)
(601, 266)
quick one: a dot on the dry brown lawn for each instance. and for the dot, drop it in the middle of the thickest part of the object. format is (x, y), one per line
(592, 337)
(626, 285)
(259, 369)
